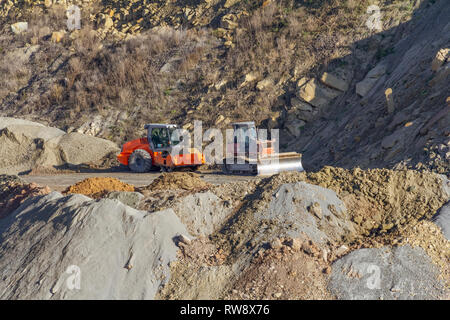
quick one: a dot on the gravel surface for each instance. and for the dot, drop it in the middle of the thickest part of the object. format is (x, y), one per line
(386, 274)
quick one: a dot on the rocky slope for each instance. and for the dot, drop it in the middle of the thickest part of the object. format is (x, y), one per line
(341, 93)
(399, 116)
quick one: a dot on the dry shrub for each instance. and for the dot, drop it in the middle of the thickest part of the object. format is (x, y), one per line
(128, 74)
(87, 44)
(57, 93)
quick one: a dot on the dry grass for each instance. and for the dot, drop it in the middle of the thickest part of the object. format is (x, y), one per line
(127, 75)
(282, 41)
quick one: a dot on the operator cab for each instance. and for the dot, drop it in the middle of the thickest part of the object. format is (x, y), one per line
(244, 134)
(160, 136)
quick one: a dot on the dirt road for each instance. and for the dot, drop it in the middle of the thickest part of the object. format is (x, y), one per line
(59, 182)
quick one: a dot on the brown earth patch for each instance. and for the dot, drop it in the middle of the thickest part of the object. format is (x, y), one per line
(98, 187)
(177, 180)
(381, 200)
(285, 273)
(14, 191)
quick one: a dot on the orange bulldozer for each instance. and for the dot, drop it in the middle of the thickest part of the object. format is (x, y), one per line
(155, 151)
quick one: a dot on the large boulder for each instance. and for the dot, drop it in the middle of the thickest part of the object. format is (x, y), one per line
(334, 81)
(19, 27)
(73, 247)
(364, 87)
(440, 58)
(316, 94)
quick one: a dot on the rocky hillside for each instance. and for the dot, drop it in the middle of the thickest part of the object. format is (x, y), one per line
(341, 93)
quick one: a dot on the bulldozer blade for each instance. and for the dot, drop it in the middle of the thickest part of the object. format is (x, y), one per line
(281, 163)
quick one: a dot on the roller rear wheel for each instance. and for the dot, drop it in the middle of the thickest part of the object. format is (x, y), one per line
(140, 161)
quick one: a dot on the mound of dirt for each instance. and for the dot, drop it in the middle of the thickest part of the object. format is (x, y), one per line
(77, 148)
(380, 200)
(178, 180)
(386, 273)
(285, 274)
(27, 145)
(74, 248)
(13, 191)
(98, 187)
(424, 234)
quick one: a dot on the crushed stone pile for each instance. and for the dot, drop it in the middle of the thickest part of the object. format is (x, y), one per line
(283, 273)
(203, 213)
(73, 247)
(99, 187)
(380, 199)
(386, 273)
(300, 209)
(177, 180)
(25, 145)
(128, 198)
(14, 191)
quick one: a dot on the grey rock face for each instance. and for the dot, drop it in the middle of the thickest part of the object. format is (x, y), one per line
(442, 219)
(386, 273)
